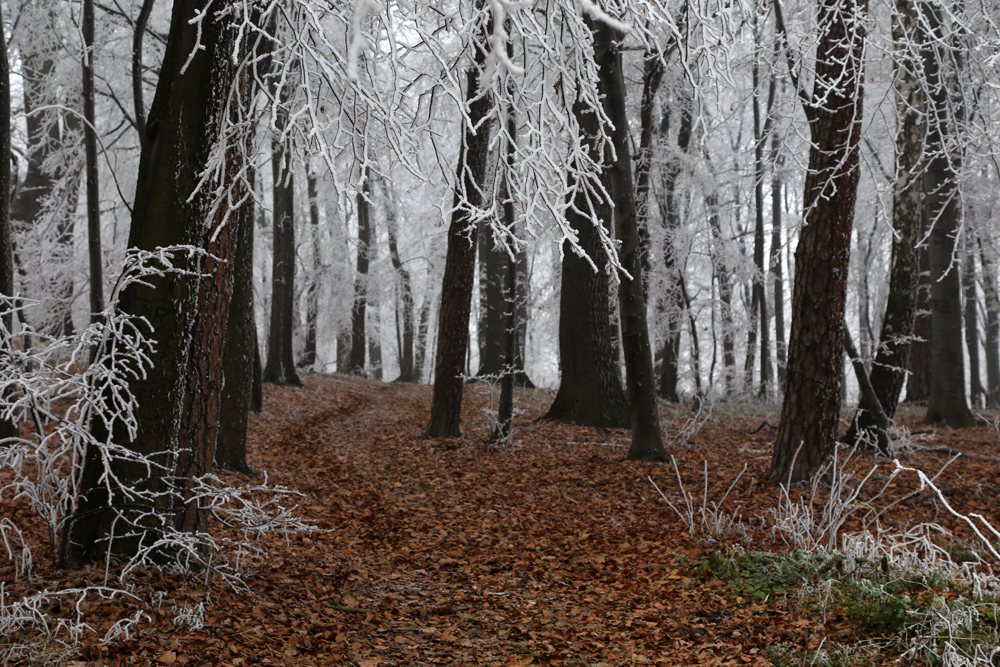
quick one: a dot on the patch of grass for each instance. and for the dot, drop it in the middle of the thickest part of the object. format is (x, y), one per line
(835, 655)
(759, 575)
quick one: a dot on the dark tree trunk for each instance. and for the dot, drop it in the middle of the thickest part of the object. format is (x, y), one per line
(777, 274)
(672, 261)
(918, 383)
(257, 393)
(460, 262)
(652, 76)
(8, 428)
(505, 409)
(93, 187)
(992, 298)
(811, 407)
(948, 403)
(759, 299)
(280, 366)
(179, 138)
(308, 357)
(647, 439)
(590, 387)
(494, 302)
(720, 267)
(976, 390)
(888, 371)
(521, 292)
(356, 360)
(420, 345)
(238, 361)
(407, 370)
(374, 339)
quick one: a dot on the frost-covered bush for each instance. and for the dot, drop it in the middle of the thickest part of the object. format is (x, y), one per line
(59, 390)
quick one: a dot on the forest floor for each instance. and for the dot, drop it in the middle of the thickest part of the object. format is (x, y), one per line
(551, 550)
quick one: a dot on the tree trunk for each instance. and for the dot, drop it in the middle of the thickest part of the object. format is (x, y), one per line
(652, 76)
(811, 406)
(918, 383)
(44, 195)
(420, 345)
(505, 409)
(280, 366)
(672, 261)
(494, 303)
(777, 274)
(522, 294)
(180, 138)
(976, 390)
(992, 297)
(93, 188)
(720, 267)
(8, 427)
(356, 361)
(460, 262)
(407, 370)
(761, 129)
(891, 360)
(948, 403)
(308, 357)
(240, 351)
(647, 439)
(590, 389)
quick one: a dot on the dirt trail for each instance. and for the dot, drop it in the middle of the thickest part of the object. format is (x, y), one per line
(551, 551)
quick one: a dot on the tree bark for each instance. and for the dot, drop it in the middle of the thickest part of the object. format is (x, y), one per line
(647, 439)
(590, 388)
(93, 186)
(180, 138)
(280, 366)
(948, 403)
(811, 406)
(494, 303)
(976, 390)
(420, 344)
(308, 357)
(888, 371)
(673, 266)
(240, 352)
(762, 128)
(777, 274)
(460, 261)
(356, 361)
(9, 428)
(652, 76)
(405, 286)
(720, 267)
(992, 297)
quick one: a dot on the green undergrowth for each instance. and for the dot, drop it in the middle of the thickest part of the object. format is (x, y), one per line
(922, 612)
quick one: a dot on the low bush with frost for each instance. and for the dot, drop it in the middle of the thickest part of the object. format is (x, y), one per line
(61, 387)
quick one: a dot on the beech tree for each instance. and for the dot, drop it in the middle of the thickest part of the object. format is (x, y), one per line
(456, 294)
(176, 422)
(810, 411)
(888, 372)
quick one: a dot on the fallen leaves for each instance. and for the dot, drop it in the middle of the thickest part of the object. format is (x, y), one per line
(552, 551)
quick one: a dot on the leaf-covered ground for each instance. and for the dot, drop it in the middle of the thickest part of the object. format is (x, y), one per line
(549, 551)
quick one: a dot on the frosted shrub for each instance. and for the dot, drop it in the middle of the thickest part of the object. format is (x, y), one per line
(56, 389)
(709, 517)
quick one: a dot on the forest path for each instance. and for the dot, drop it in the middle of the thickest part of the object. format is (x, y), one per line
(549, 551)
